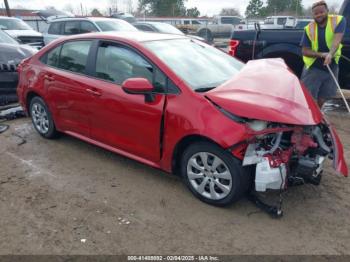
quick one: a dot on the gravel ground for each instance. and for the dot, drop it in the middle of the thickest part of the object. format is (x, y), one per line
(65, 196)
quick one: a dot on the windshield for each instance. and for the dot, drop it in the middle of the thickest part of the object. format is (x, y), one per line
(201, 66)
(168, 29)
(13, 24)
(6, 39)
(115, 25)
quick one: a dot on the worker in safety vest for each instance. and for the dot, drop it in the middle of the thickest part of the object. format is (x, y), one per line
(321, 46)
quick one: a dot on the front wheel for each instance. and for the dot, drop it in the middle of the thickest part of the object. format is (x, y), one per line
(213, 175)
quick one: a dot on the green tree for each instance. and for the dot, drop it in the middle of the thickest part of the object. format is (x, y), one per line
(275, 7)
(95, 12)
(163, 7)
(230, 12)
(255, 9)
(193, 12)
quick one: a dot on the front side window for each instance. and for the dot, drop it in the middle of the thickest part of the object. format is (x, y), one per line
(71, 28)
(117, 63)
(55, 28)
(87, 27)
(74, 56)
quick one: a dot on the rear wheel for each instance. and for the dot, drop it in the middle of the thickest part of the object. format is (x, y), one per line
(41, 118)
(213, 175)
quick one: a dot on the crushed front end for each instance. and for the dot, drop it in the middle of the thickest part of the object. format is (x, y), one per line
(288, 155)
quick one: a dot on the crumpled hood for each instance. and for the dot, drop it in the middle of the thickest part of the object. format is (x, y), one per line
(267, 90)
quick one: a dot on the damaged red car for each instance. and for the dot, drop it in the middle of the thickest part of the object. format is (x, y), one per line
(185, 107)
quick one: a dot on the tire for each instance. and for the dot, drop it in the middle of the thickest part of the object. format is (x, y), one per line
(222, 187)
(42, 118)
(206, 34)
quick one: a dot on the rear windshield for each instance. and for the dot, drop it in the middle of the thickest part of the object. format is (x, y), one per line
(115, 25)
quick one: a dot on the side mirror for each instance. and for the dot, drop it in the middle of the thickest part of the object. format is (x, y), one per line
(139, 86)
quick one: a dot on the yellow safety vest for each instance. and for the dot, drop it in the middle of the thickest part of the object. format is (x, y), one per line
(312, 33)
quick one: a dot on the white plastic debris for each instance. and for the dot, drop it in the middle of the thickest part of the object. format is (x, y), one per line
(83, 240)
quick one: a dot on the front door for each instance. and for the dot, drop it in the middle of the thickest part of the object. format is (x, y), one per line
(126, 121)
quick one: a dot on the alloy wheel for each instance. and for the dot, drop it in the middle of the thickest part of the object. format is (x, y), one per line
(209, 175)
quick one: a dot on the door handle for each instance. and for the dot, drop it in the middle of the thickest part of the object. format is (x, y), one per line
(93, 92)
(49, 78)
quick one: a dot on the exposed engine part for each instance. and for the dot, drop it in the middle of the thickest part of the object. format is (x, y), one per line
(319, 137)
(276, 144)
(310, 170)
(267, 177)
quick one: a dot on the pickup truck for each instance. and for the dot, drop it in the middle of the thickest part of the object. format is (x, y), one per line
(220, 27)
(256, 44)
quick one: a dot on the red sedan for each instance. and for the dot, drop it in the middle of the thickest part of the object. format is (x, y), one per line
(180, 105)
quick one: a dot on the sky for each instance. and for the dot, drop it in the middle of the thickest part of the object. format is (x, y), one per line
(206, 7)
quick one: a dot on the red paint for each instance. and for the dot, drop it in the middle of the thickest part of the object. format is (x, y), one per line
(137, 85)
(102, 113)
(302, 141)
(266, 90)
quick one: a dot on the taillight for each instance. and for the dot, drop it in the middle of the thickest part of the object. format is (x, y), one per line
(233, 47)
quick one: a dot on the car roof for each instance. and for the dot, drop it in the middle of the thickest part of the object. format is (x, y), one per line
(137, 36)
(63, 19)
(150, 23)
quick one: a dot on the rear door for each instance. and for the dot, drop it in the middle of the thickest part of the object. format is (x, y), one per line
(121, 120)
(67, 86)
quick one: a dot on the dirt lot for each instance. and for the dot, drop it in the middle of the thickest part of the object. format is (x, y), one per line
(68, 197)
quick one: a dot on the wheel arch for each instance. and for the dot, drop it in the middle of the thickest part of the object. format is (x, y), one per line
(30, 95)
(182, 145)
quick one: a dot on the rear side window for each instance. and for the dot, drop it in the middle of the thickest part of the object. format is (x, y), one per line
(87, 27)
(51, 58)
(72, 28)
(55, 28)
(74, 56)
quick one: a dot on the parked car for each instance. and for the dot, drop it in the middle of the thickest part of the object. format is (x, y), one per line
(247, 24)
(188, 25)
(125, 16)
(183, 106)
(11, 54)
(302, 23)
(21, 31)
(162, 28)
(279, 22)
(221, 27)
(251, 44)
(72, 26)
